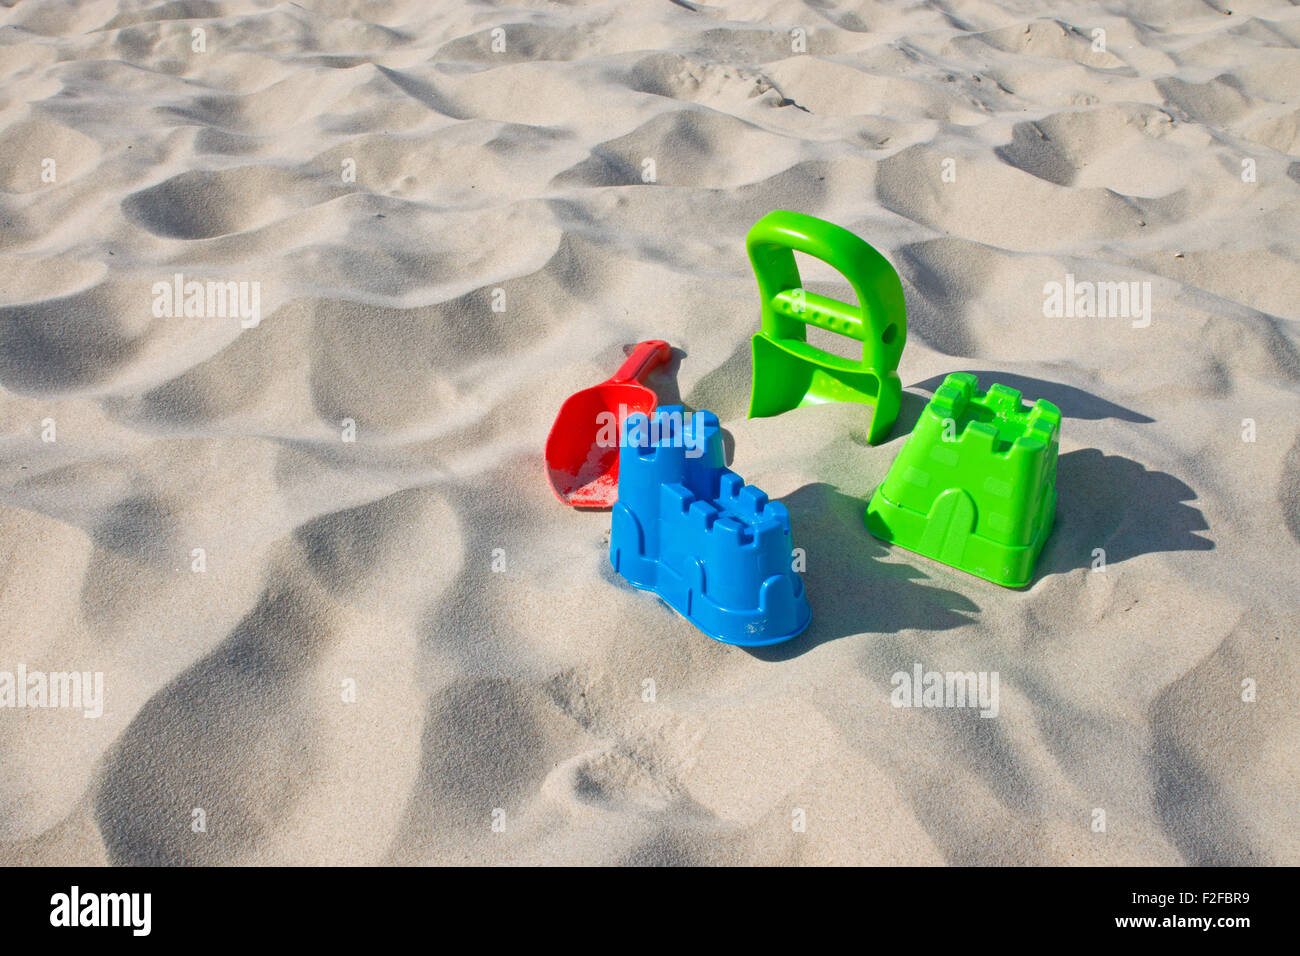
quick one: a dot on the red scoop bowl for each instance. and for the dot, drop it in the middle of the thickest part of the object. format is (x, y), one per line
(582, 449)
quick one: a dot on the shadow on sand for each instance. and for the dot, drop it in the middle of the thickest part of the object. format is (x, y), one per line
(850, 589)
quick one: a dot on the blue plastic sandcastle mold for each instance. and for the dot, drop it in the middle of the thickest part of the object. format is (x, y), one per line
(690, 529)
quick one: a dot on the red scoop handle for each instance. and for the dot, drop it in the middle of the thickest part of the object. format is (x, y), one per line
(645, 358)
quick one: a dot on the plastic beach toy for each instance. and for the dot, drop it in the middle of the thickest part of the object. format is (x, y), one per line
(975, 484)
(582, 448)
(691, 530)
(789, 372)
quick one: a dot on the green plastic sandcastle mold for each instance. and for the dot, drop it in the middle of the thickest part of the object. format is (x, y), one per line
(789, 372)
(974, 486)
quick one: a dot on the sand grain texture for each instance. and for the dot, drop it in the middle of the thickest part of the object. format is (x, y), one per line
(499, 664)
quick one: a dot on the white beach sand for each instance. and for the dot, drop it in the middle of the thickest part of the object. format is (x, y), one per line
(499, 663)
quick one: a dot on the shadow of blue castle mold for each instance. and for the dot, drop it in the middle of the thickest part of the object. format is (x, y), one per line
(688, 528)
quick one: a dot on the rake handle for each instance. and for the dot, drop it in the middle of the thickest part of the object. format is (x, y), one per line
(813, 309)
(878, 321)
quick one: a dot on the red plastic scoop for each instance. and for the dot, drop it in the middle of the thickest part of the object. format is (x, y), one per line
(582, 449)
